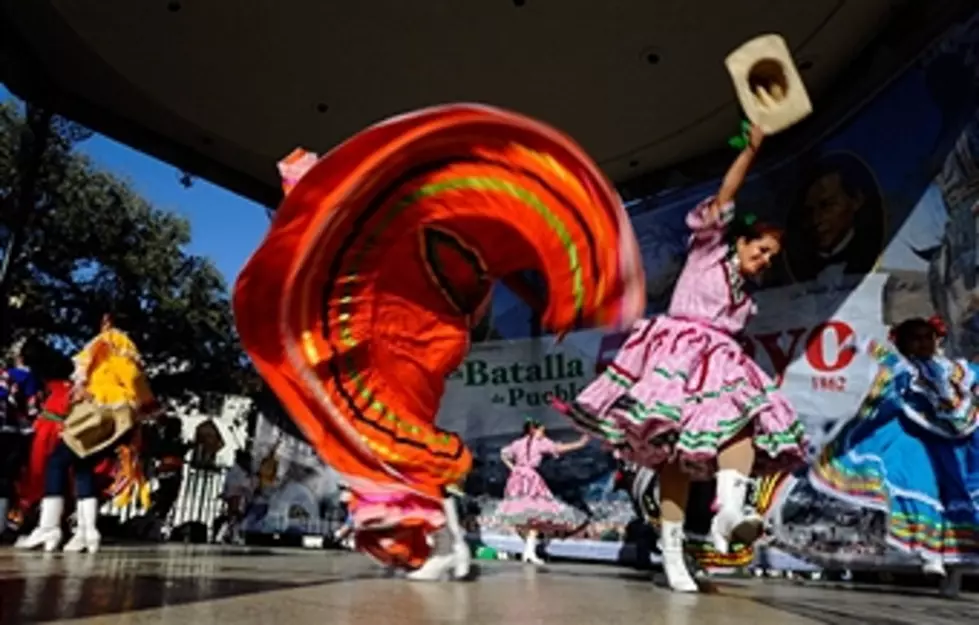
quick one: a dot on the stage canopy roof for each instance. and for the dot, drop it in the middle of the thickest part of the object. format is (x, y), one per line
(224, 89)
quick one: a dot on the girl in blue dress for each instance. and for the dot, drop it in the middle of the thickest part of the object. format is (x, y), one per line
(913, 450)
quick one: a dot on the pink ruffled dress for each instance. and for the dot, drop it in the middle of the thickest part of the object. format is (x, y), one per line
(682, 386)
(527, 501)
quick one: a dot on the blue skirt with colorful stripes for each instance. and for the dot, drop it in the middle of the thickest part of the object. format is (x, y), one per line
(921, 468)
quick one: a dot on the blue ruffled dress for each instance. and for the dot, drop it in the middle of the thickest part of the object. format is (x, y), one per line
(912, 452)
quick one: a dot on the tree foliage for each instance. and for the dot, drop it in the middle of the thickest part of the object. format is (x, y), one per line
(91, 245)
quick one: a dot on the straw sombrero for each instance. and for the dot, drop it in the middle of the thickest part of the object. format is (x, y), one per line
(89, 428)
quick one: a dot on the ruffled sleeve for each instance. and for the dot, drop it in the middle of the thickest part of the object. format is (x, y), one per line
(708, 227)
(885, 355)
(109, 370)
(947, 388)
(893, 369)
(547, 447)
(938, 394)
(890, 376)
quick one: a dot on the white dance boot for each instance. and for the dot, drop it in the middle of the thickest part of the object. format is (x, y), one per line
(48, 530)
(934, 566)
(86, 536)
(674, 561)
(451, 557)
(460, 548)
(530, 550)
(733, 517)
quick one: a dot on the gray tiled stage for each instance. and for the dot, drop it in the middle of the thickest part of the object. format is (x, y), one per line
(185, 586)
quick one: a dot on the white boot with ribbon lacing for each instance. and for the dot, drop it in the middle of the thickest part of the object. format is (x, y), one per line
(734, 520)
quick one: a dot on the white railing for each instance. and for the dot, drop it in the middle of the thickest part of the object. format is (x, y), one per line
(198, 499)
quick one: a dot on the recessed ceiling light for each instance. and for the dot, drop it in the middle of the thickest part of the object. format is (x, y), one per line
(173, 6)
(519, 3)
(633, 163)
(651, 55)
(805, 65)
(322, 107)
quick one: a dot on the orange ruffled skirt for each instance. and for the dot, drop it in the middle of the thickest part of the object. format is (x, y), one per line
(381, 258)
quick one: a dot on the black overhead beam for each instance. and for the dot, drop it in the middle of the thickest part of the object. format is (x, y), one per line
(25, 74)
(913, 25)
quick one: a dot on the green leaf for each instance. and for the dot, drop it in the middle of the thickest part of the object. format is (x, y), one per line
(741, 142)
(738, 142)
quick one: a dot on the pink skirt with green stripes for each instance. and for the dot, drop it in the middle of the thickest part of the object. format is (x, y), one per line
(679, 390)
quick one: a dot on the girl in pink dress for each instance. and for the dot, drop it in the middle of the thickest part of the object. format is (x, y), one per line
(528, 504)
(684, 398)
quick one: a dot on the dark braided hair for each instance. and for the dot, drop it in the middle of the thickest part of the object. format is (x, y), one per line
(528, 429)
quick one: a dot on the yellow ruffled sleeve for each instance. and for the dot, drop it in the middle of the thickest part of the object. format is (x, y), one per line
(110, 371)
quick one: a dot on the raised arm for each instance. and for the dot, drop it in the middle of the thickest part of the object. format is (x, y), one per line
(562, 448)
(736, 174)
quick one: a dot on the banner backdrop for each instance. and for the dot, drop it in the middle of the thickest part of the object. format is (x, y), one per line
(880, 220)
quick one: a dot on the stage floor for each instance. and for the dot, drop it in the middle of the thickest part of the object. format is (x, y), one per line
(187, 586)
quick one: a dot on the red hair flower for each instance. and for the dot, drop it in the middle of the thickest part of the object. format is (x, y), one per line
(938, 324)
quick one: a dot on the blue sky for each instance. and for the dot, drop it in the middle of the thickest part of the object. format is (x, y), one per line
(225, 227)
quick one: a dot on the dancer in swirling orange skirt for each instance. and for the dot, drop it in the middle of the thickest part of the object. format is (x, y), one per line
(380, 260)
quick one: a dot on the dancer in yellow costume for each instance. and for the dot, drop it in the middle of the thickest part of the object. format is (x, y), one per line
(111, 394)
(109, 372)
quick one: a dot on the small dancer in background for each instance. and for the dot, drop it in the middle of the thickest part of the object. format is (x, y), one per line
(528, 504)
